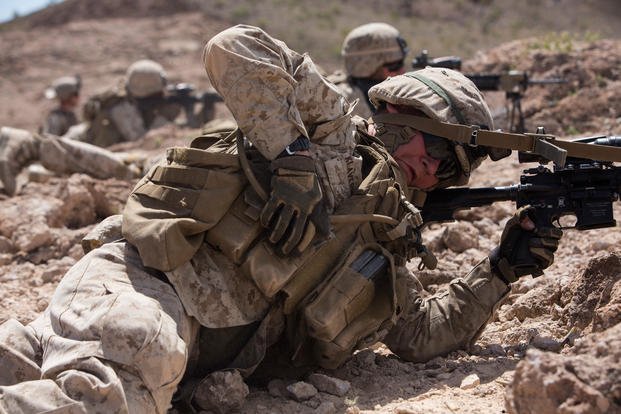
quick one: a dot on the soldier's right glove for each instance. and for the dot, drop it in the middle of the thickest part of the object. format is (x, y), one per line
(295, 211)
(524, 252)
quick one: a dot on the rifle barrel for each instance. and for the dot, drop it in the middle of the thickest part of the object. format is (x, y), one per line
(442, 203)
(547, 81)
(485, 82)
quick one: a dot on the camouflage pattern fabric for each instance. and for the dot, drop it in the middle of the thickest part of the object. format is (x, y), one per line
(449, 320)
(366, 48)
(128, 120)
(276, 95)
(352, 94)
(65, 156)
(145, 77)
(17, 148)
(59, 121)
(58, 154)
(115, 339)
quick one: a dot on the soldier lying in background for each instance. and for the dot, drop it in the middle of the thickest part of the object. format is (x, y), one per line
(118, 115)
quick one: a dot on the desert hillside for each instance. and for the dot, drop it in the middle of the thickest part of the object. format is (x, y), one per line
(554, 344)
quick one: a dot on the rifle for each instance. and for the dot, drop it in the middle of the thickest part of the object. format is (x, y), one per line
(423, 60)
(185, 95)
(582, 188)
(514, 83)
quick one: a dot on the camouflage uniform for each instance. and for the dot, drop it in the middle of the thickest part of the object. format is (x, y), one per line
(112, 117)
(59, 154)
(117, 337)
(126, 112)
(366, 49)
(59, 120)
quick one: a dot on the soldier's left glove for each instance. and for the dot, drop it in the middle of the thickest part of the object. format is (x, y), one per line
(524, 251)
(295, 211)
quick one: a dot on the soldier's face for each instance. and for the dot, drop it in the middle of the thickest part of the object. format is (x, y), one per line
(418, 166)
(393, 69)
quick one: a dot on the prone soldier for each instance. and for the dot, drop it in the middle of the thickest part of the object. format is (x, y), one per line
(124, 113)
(297, 242)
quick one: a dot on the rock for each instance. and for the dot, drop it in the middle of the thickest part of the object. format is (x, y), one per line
(5, 259)
(33, 236)
(546, 343)
(492, 350)
(6, 246)
(585, 379)
(471, 381)
(42, 304)
(326, 407)
(105, 232)
(435, 363)
(365, 358)
(78, 209)
(110, 195)
(460, 236)
(277, 388)
(313, 402)
(330, 385)
(592, 299)
(486, 226)
(301, 391)
(534, 303)
(433, 239)
(221, 392)
(56, 269)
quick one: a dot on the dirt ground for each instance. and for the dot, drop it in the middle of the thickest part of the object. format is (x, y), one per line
(555, 339)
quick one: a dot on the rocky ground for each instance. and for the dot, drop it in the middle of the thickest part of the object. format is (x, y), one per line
(552, 347)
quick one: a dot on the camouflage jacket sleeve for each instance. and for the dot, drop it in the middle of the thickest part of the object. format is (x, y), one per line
(57, 123)
(449, 320)
(128, 120)
(274, 93)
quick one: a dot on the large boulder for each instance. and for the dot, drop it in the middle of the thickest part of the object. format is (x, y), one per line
(592, 301)
(585, 380)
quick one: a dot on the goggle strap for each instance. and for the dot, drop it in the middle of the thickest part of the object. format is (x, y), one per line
(547, 146)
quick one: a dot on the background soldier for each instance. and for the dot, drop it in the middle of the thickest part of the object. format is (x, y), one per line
(128, 110)
(66, 91)
(117, 115)
(217, 273)
(372, 52)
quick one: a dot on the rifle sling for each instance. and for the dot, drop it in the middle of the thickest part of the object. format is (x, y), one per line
(546, 146)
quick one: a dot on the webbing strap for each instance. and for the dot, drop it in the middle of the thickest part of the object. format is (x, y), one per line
(545, 145)
(440, 92)
(178, 198)
(182, 176)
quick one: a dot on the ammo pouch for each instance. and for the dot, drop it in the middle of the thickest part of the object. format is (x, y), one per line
(352, 306)
(172, 207)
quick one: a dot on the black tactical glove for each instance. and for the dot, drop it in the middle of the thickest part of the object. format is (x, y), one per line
(295, 211)
(524, 252)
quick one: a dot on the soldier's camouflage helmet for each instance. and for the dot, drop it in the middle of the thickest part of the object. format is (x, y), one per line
(145, 78)
(63, 88)
(446, 96)
(366, 48)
